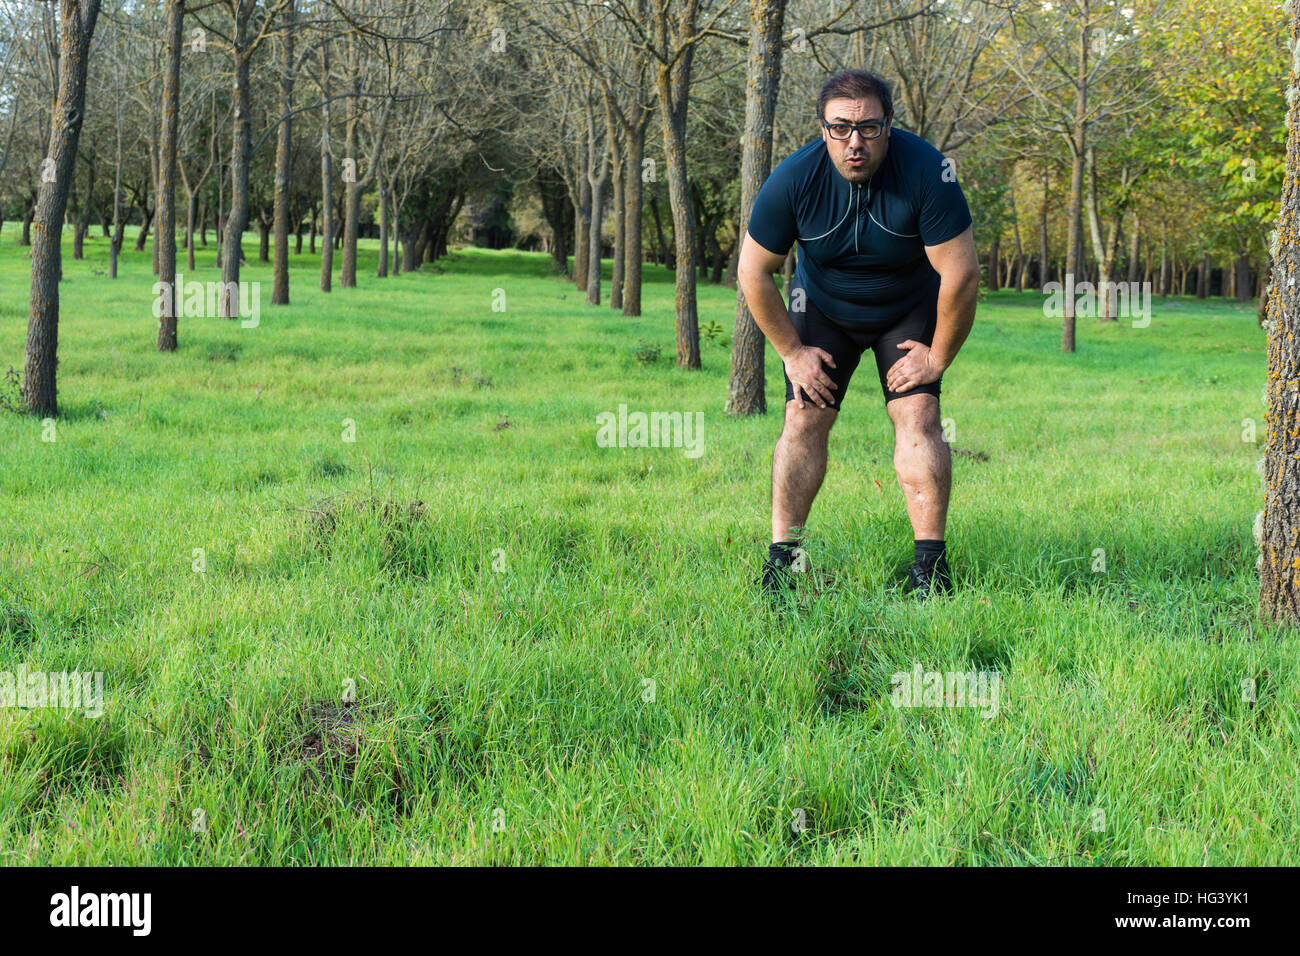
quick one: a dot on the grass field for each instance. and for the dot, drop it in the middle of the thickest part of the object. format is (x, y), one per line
(557, 651)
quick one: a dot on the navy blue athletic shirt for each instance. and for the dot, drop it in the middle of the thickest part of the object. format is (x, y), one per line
(862, 247)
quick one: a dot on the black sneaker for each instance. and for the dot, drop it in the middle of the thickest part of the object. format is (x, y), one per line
(778, 572)
(925, 584)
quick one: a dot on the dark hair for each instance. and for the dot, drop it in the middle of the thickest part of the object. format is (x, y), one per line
(855, 85)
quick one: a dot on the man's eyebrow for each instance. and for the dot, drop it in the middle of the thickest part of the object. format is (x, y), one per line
(870, 119)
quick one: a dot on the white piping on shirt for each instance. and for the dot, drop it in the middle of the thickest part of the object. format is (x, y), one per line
(832, 228)
(901, 235)
(851, 204)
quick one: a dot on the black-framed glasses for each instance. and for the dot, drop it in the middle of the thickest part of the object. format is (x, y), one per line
(869, 129)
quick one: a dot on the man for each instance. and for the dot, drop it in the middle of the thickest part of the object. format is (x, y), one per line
(886, 262)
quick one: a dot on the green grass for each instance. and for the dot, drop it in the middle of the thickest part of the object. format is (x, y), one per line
(518, 696)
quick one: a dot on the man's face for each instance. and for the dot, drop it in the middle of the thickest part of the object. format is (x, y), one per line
(857, 158)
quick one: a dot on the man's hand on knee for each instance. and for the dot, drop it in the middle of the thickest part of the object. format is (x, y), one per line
(804, 369)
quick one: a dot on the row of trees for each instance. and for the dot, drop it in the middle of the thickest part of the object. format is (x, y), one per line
(275, 114)
(1094, 138)
(1098, 138)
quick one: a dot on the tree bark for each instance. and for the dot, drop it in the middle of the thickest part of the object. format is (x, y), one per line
(632, 251)
(283, 161)
(619, 172)
(382, 271)
(598, 177)
(326, 181)
(1279, 523)
(747, 388)
(1044, 253)
(1079, 146)
(673, 87)
(165, 237)
(237, 217)
(76, 26)
(581, 233)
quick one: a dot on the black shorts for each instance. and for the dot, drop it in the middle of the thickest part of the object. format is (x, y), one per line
(847, 342)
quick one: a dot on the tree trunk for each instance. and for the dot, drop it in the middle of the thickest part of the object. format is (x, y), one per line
(1079, 147)
(1279, 524)
(263, 237)
(326, 181)
(165, 237)
(581, 233)
(1044, 253)
(597, 176)
(40, 388)
(991, 275)
(1021, 265)
(673, 82)
(397, 233)
(632, 213)
(115, 246)
(747, 387)
(1165, 274)
(191, 208)
(1134, 253)
(237, 217)
(83, 218)
(351, 191)
(146, 221)
(382, 271)
(28, 215)
(620, 227)
(283, 160)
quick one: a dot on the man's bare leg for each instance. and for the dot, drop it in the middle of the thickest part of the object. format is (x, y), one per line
(923, 463)
(798, 466)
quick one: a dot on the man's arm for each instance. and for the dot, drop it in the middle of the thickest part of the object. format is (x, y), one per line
(959, 279)
(754, 273)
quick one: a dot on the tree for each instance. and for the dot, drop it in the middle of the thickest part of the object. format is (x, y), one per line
(747, 392)
(1279, 595)
(283, 158)
(246, 35)
(76, 27)
(166, 234)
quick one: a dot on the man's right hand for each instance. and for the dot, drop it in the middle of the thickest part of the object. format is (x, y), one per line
(804, 369)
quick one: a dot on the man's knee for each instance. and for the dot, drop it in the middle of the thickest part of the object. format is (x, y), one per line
(916, 417)
(807, 426)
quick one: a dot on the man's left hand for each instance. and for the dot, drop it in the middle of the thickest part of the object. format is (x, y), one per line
(917, 367)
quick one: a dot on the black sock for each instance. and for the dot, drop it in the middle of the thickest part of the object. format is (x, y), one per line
(928, 551)
(781, 553)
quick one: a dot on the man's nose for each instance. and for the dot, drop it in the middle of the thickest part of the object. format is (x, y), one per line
(862, 139)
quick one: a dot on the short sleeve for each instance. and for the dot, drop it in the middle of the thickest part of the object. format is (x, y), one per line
(944, 213)
(772, 220)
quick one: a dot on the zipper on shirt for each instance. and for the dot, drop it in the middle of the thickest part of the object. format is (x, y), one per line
(857, 213)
